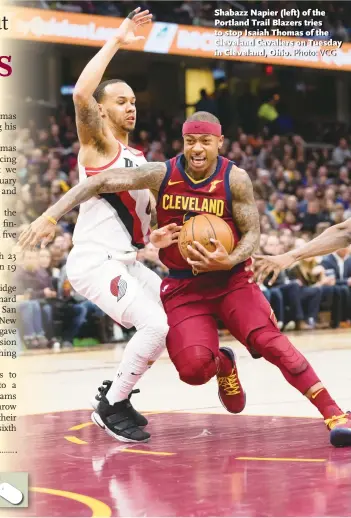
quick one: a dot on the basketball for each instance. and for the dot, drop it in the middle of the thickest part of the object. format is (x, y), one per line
(202, 228)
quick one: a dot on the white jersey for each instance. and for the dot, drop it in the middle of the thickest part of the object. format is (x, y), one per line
(117, 222)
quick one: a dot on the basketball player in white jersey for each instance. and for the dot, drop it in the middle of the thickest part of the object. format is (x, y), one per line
(110, 229)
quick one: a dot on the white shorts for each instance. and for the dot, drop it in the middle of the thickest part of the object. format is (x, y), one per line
(128, 293)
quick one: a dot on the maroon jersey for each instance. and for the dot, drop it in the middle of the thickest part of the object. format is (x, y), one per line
(181, 197)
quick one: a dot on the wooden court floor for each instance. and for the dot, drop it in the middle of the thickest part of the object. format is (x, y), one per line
(274, 459)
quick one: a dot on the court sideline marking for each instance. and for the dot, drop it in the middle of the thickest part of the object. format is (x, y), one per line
(98, 508)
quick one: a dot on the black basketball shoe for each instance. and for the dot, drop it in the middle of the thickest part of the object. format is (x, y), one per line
(118, 421)
(102, 390)
(139, 419)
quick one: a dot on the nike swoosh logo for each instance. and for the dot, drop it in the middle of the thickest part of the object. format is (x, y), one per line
(316, 393)
(175, 183)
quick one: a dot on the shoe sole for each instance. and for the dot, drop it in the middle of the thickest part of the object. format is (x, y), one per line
(340, 437)
(98, 421)
(233, 355)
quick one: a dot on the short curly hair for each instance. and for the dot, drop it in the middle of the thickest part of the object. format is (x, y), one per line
(204, 117)
(100, 90)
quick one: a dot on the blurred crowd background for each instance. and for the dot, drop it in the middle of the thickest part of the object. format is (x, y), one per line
(300, 191)
(301, 173)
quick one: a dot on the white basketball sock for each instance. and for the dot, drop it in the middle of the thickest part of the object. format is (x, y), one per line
(141, 351)
(133, 365)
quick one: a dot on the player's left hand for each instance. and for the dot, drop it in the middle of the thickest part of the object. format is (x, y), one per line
(202, 260)
(41, 230)
(267, 264)
(126, 32)
(165, 236)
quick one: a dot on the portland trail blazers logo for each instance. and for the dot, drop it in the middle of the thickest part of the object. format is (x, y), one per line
(118, 287)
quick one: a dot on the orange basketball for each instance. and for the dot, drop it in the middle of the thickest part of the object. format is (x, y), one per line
(202, 228)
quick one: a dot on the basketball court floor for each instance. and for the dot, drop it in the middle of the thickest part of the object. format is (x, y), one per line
(273, 460)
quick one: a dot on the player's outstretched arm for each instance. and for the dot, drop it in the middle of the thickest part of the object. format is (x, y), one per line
(245, 215)
(147, 176)
(332, 239)
(88, 118)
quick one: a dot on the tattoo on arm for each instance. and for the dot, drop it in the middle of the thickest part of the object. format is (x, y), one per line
(78, 194)
(245, 215)
(148, 176)
(88, 120)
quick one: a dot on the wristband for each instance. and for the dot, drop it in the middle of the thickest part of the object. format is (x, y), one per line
(51, 219)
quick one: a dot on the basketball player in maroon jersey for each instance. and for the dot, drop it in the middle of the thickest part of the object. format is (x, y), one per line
(210, 285)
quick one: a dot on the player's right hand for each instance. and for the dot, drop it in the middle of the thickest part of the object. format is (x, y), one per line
(267, 264)
(40, 231)
(165, 236)
(126, 32)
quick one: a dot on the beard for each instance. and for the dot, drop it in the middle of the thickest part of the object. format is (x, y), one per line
(116, 126)
(120, 127)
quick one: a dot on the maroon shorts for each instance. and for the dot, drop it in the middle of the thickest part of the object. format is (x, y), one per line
(194, 305)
